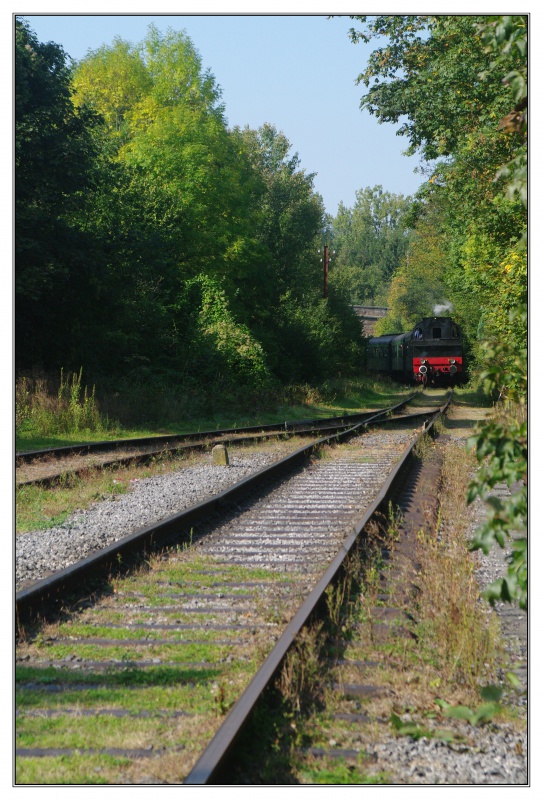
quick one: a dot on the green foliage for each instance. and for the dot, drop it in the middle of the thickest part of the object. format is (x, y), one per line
(451, 81)
(426, 74)
(81, 411)
(73, 410)
(444, 75)
(159, 246)
(370, 241)
(339, 773)
(505, 39)
(418, 284)
(503, 446)
(410, 728)
(288, 216)
(54, 156)
(242, 356)
(502, 449)
(112, 80)
(482, 714)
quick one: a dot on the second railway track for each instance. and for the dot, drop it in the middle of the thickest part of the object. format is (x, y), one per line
(149, 664)
(55, 465)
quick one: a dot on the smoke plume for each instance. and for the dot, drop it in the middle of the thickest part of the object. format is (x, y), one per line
(446, 308)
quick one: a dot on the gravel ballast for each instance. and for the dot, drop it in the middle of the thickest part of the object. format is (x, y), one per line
(488, 757)
(42, 552)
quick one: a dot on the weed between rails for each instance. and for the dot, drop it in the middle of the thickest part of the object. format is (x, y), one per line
(203, 677)
(288, 721)
(423, 446)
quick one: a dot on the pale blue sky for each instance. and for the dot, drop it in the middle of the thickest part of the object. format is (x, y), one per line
(296, 72)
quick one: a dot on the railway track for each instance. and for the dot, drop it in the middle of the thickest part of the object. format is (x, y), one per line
(53, 465)
(150, 660)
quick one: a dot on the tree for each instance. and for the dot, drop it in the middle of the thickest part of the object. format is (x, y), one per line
(435, 76)
(180, 202)
(156, 244)
(418, 286)
(54, 156)
(164, 112)
(428, 76)
(371, 241)
(290, 212)
(502, 445)
(454, 79)
(112, 80)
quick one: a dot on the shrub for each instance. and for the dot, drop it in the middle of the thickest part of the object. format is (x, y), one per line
(71, 410)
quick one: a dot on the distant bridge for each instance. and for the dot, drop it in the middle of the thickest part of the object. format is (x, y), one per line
(369, 316)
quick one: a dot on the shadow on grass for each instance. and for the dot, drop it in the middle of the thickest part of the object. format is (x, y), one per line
(452, 424)
(121, 674)
(472, 397)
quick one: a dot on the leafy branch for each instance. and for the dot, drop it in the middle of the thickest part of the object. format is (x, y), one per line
(502, 450)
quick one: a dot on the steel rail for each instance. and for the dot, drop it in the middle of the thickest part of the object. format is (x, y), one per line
(212, 763)
(136, 458)
(31, 601)
(295, 425)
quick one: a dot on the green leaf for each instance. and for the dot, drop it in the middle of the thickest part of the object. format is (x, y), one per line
(491, 693)
(514, 680)
(460, 712)
(485, 713)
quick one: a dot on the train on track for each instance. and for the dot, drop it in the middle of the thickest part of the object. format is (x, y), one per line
(430, 353)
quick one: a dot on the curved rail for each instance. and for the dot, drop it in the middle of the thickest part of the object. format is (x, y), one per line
(328, 425)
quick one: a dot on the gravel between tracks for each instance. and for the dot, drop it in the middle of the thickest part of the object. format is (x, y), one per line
(42, 552)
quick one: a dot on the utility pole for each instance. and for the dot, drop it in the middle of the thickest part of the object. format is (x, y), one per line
(326, 264)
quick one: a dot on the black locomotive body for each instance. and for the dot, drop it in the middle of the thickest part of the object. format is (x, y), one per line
(431, 352)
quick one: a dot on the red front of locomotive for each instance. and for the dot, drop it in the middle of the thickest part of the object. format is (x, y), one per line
(436, 367)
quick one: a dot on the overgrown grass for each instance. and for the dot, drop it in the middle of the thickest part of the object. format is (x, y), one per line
(471, 395)
(69, 409)
(459, 637)
(52, 414)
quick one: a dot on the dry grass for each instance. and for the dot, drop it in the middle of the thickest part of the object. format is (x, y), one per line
(300, 679)
(452, 622)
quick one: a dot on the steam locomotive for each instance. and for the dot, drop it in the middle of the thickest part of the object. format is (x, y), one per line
(430, 353)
